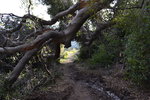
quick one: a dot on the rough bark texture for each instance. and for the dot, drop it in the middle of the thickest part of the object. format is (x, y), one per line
(20, 66)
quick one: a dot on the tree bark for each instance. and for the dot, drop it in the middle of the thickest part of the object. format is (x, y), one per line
(57, 51)
(20, 66)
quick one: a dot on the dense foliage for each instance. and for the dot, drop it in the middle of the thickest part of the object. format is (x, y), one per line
(128, 42)
(103, 53)
(137, 45)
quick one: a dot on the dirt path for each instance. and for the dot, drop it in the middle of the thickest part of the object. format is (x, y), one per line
(85, 87)
(78, 84)
(74, 85)
(80, 91)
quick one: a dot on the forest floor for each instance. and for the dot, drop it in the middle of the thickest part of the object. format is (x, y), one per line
(80, 83)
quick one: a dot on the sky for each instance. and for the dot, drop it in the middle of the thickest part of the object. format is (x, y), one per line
(16, 7)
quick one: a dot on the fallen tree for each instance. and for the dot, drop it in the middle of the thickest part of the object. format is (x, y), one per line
(80, 12)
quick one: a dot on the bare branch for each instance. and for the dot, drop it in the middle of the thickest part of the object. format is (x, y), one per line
(10, 14)
(35, 44)
(72, 9)
(20, 24)
(20, 66)
(30, 3)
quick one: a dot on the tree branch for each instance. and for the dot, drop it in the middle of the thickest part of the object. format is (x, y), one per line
(20, 66)
(72, 9)
(35, 43)
(30, 3)
(18, 26)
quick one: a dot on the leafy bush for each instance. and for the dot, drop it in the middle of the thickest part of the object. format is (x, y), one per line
(138, 57)
(103, 52)
(101, 57)
(86, 52)
(136, 24)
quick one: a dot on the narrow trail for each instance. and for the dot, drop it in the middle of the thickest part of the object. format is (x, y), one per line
(74, 85)
(80, 92)
(92, 86)
(85, 87)
(77, 84)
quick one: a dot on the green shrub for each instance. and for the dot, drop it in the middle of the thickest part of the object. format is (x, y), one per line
(101, 58)
(102, 53)
(138, 57)
(86, 52)
(137, 45)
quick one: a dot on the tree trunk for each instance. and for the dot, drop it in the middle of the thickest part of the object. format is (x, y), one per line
(57, 51)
